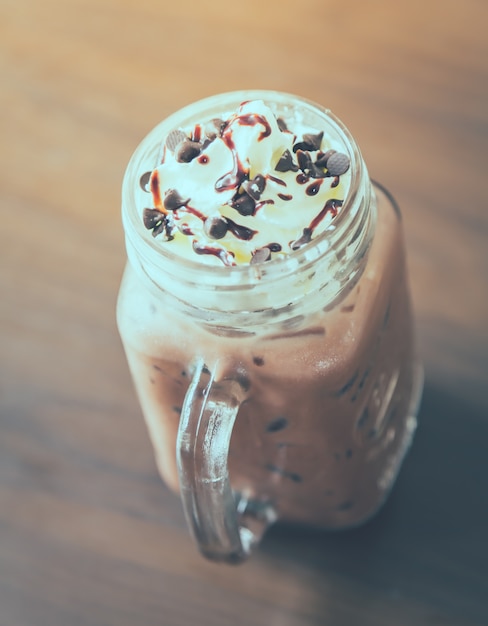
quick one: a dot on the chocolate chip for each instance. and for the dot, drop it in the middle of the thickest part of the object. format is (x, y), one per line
(315, 171)
(215, 227)
(243, 381)
(281, 124)
(304, 160)
(214, 128)
(386, 316)
(243, 204)
(173, 201)
(174, 138)
(304, 332)
(144, 181)
(162, 228)
(348, 384)
(260, 255)
(364, 377)
(274, 247)
(158, 222)
(308, 166)
(310, 141)
(286, 164)
(314, 139)
(362, 419)
(151, 217)
(323, 157)
(345, 506)
(187, 150)
(277, 424)
(255, 187)
(338, 164)
(296, 478)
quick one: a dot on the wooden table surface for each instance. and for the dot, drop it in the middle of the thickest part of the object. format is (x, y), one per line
(88, 533)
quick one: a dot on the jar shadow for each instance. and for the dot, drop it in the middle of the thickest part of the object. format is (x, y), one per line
(428, 544)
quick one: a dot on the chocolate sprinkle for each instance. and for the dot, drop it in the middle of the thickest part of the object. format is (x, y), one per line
(174, 138)
(338, 164)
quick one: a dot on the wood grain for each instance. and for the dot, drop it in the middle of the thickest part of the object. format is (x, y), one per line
(88, 534)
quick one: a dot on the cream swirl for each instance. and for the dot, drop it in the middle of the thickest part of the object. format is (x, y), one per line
(246, 188)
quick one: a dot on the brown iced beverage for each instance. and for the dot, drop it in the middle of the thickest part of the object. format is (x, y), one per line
(270, 338)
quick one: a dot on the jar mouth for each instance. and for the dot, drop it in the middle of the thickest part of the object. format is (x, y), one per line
(317, 274)
(236, 277)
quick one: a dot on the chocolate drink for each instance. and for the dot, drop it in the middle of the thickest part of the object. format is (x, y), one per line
(305, 308)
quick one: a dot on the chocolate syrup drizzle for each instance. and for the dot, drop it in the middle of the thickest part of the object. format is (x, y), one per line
(226, 256)
(156, 192)
(331, 206)
(239, 231)
(238, 173)
(167, 213)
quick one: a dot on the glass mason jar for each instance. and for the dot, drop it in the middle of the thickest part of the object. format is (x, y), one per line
(284, 390)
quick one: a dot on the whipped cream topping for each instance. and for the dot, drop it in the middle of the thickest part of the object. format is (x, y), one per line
(245, 188)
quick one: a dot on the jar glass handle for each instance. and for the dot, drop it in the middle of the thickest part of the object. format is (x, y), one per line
(224, 524)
